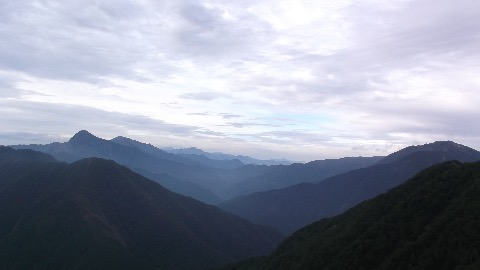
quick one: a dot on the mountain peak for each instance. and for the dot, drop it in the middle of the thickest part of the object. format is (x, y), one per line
(444, 145)
(82, 136)
(453, 149)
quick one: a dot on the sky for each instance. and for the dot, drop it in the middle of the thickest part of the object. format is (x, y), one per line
(295, 79)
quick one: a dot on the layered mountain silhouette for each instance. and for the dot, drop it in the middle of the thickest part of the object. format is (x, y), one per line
(97, 214)
(275, 177)
(284, 196)
(429, 222)
(8, 154)
(192, 172)
(192, 151)
(92, 213)
(193, 179)
(196, 158)
(293, 207)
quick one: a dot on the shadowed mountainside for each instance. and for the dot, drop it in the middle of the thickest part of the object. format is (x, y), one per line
(195, 178)
(429, 222)
(8, 154)
(96, 214)
(293, 207)
(193, 174)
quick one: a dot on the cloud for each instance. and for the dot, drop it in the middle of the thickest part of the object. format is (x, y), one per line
(218, 31)
(201, 113)
(328, 78)
(203, 96)
(229, 115)
(84, 42)
(211, 133)
(54, 120)
(248, 124)
(22, 137)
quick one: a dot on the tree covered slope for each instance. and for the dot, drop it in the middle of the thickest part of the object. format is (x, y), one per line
(96, 214)
(429, 222)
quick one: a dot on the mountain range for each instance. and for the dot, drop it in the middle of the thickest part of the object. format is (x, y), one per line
(192, 179)
(198, 176)
(429, 222)
(89, 203)
(286, 197)
(276, 177)
(291, 208)
(193, 151)
(96, 214)
(200, 156)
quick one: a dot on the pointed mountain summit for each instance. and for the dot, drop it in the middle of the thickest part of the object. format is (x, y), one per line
(83, 137)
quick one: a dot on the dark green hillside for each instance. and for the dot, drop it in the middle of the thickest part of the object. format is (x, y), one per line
(96, 214)
(430, 222)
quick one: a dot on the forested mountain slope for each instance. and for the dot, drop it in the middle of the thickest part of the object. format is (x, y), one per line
(429, 222)
(96, 214)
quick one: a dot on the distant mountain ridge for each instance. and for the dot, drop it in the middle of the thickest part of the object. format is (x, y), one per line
(196, 158)
(193, 173)
(429, 222)
(455, 151)
(276, 177)
(293, 207)
(8, 154)
(149, 149)
(222, 156)
(96, 214)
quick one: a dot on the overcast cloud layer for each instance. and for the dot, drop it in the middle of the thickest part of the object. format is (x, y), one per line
(273, 78)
